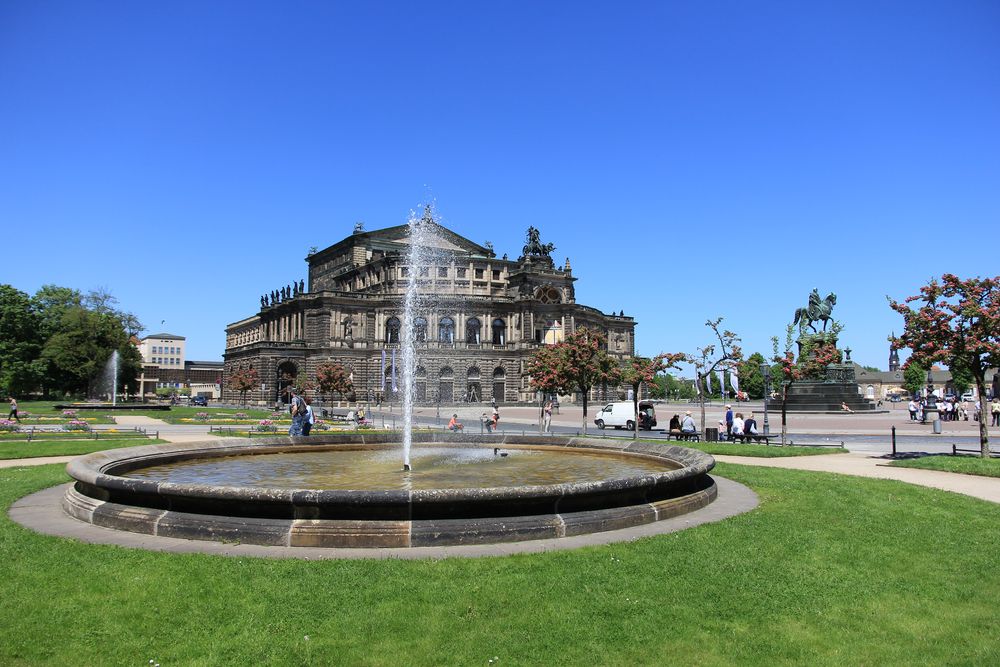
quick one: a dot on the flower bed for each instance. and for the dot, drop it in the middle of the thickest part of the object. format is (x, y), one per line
(266, 426)
(76, 425)
(9, 426)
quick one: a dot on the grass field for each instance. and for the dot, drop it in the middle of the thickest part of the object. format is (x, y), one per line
(762, 451)
(828, 570)
(68, 447)
(969, 465)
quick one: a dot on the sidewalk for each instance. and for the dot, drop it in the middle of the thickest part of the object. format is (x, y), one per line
(862, 465)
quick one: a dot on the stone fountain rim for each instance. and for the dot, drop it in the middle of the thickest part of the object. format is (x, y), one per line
(98, 469)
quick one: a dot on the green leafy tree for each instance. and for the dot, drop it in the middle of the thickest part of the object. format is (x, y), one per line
(961, 379)
(956, 322)
(751, 379)
(787, 372)
(914, 377)
(577, 364)
(20, 343)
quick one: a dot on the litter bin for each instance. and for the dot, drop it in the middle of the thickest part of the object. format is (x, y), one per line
(937, 426)
(711, 434)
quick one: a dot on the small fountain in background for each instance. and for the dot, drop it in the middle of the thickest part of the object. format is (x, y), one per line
(107, 383)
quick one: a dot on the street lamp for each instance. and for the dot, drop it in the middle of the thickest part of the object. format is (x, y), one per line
(765, 370)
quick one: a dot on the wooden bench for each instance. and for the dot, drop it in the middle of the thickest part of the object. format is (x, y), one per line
(677, 435)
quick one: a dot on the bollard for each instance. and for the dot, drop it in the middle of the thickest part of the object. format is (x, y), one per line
(893, 440)
(937, 426)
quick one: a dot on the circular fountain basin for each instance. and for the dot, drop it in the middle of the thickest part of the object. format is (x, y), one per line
(350, 491)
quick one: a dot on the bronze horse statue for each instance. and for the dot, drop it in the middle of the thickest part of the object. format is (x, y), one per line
(817, 310)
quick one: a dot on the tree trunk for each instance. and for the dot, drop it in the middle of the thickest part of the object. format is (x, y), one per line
(984, 413)
(585, 392)
(701, 401)
(784, 397)
(635, 409)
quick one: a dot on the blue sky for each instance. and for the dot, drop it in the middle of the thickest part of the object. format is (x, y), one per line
(693, 160)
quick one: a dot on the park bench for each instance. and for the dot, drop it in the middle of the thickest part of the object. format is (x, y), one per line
(678, 435)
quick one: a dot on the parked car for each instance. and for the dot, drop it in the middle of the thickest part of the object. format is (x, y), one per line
(199, 400)
(967, 396)
(620, 415)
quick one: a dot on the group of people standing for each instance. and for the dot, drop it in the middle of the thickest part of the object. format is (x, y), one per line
(950, 410)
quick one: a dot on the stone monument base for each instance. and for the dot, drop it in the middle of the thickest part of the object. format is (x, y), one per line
(820, 396)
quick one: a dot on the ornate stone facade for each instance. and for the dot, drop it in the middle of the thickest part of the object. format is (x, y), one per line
(488, 317)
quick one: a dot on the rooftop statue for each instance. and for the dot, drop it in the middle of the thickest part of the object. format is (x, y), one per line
(534, 246)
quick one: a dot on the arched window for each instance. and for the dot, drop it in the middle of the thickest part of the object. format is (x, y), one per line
(870, 391)
(419, 329)
(472, 330)
(446, 330)
(392, 330)
(446, 386)
(498, 331)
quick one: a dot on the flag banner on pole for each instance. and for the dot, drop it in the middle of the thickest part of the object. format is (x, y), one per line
(722, 384)
(734, 379)
(393, 371)
(708, 383)
(694, 388)
(382, 372)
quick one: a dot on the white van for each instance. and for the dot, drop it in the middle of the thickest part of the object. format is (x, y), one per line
(621, 415)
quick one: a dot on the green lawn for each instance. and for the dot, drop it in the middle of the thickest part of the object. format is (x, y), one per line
(830, 570)
(68, 447)
(762, 451)
(969, 465)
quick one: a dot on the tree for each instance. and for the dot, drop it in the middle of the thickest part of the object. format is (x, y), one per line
(331, 377)
(243, 380)
(642, 369)
(914, 377)
(956, 322)
(751, 379)
(786, 369)
(20, 343)
(576, 364)
(961, 379)
(707, 359)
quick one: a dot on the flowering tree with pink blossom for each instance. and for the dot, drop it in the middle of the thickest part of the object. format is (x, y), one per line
(243, 380)
(576, 364)
(638, 370)
(955, 322)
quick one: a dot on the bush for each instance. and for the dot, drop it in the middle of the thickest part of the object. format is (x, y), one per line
(266, 426)
(77, 425)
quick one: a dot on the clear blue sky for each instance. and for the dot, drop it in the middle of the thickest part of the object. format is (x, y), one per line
(691, 159)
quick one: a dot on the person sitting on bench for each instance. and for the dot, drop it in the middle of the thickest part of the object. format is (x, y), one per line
(675, 425)
(687, 426)
(454, 424)
(749, 427)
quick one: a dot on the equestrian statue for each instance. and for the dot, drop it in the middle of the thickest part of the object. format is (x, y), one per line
(817, 310)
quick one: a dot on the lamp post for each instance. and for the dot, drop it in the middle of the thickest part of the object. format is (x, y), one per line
(765, 370)
(931, 408)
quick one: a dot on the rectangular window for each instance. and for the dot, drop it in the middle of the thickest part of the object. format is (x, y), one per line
(442, 272)
(496, 274)
(461, 273)
(404, 271)
(424, 271)
(479, 274)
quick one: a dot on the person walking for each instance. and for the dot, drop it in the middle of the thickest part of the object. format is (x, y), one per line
(310, 418)
(546, 416)
(496, 418)
(995, 411)
(13, 410)
(297, 408)
(912, 407)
